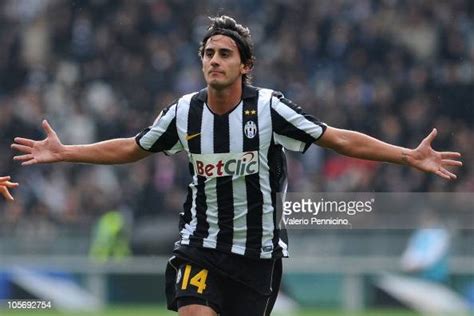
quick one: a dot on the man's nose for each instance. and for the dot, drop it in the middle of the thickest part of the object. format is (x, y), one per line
(215, 60)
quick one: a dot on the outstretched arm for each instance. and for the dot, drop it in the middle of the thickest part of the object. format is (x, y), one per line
(50, 149)
(5, 184)
(424, 158)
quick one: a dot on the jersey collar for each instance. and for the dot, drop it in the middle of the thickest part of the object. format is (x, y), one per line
(247, 93)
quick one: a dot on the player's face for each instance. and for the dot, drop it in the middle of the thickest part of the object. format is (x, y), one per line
(221, 63)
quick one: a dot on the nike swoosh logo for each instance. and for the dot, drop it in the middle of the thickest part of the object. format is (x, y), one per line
(189, 137)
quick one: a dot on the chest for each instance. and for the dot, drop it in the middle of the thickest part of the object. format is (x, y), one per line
(245, 129)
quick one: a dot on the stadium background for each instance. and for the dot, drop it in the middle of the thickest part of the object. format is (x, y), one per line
(101, 69)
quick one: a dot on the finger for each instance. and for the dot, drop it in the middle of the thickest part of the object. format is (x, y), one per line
(442, 175)
(5, 178)
(11, 184)
(24, 141)
(431, 136)
(450, 162)
(29, 162)
(22, 148)
(49, 130)
(449, 173)
(450, 155)
(23, 157)
(6, 194)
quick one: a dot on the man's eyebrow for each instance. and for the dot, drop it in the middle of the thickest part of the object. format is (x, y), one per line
(226, 50)
(211, 49)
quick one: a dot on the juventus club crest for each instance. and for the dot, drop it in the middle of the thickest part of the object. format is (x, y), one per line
(250, 129)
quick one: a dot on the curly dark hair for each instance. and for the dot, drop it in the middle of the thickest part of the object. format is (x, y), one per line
(225, 25)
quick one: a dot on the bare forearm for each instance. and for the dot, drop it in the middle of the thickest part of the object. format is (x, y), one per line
(114, 151)
(423, 157)
(358, 145)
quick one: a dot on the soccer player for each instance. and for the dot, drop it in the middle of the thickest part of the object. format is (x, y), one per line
(228, 259)
(5, 184)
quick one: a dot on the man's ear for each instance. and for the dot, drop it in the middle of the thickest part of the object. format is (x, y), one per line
(245, 69)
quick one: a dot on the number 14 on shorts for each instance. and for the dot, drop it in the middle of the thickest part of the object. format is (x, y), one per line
(193, 276)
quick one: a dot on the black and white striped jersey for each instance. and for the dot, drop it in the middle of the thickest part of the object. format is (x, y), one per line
(237, 164)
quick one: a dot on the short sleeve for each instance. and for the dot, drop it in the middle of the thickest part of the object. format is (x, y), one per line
(163, 135)
(294, 129)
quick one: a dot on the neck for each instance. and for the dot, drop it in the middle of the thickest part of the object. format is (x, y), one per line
(222, 101)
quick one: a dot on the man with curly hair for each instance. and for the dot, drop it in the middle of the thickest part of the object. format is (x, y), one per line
(228, 260)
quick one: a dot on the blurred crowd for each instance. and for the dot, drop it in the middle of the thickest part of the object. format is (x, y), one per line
(99, 69)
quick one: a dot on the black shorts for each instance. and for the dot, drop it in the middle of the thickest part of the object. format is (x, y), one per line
(190, 283)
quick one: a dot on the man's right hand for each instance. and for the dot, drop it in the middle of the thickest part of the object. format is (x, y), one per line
(39, 151)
